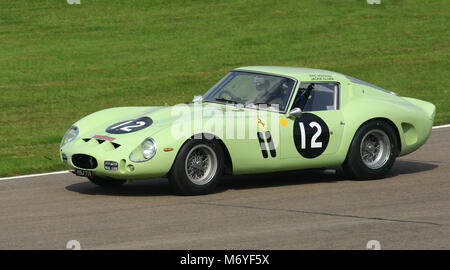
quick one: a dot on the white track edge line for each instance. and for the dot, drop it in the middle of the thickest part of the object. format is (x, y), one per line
(443, 126)
(32, 175)
(61, 172)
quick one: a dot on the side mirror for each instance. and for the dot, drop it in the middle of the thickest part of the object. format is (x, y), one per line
(197, 99)
(295, 112)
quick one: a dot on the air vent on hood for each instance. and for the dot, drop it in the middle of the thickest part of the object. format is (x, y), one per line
(116, 145)
(101, 141)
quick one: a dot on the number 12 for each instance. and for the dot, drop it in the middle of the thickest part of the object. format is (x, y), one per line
(314, 144)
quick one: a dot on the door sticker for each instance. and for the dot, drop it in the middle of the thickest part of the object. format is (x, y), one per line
(311, 135)
(129, 125)
(272, 150)
(261, 123)
(262, 144)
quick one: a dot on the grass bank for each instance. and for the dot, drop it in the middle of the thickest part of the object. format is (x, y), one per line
(60, 62)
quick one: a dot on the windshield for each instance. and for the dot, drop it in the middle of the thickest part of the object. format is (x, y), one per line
(251, 90)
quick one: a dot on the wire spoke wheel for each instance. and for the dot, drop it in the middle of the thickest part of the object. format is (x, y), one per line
(201, 164)
(375, 149)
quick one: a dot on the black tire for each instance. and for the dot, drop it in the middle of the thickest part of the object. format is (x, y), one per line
(106, 182)
(358, 163)
(182, 174)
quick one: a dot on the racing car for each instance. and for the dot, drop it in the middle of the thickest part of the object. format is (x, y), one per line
(256, 119)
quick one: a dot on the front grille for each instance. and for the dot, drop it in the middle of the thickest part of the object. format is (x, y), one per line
(84, 161)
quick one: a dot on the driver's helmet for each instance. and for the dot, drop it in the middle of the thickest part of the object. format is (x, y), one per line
(261, 83)
(286, 86)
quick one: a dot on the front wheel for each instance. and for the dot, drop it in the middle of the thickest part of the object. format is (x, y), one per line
(372, 152)
(197, 168)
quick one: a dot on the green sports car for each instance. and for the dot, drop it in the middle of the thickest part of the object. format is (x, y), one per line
(256, 119)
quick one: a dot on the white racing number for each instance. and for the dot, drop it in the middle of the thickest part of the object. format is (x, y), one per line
(314, 144)
(129, 125)
(311, 135)
(128, 128)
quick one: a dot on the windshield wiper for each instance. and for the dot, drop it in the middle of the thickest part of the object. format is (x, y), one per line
(226, 100)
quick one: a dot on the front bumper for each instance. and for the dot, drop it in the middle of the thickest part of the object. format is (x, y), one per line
(104, 159)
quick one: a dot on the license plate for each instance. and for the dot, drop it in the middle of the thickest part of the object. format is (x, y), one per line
(83, 173)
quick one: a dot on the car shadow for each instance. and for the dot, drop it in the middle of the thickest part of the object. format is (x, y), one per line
(150, 187)
(401, 167)
(406, 166)
(279, 179)
(161, 187)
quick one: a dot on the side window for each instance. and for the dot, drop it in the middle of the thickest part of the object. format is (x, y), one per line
(317, 96)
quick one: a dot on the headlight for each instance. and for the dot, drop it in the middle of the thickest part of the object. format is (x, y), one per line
(145, 151)
(71, 134)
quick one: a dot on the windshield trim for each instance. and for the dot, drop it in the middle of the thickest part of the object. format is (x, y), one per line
(262, 73)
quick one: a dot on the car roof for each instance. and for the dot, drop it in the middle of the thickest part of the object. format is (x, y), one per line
(299, 73)
(309, 74)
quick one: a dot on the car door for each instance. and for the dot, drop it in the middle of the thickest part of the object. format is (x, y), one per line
(316, 135)
(252, 139)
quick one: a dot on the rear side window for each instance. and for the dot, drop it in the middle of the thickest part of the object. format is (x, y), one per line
(317, 96)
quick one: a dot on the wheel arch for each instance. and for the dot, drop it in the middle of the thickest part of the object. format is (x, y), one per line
(389, 122)
(228, 163)
(354, 166)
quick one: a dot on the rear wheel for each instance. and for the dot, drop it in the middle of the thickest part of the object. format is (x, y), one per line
(372, 152)
(197, 168)
(106, 182)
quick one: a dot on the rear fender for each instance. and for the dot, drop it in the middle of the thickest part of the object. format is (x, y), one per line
(412, 122)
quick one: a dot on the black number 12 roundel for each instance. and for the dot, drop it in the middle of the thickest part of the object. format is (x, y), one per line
(129, 125)
(311, 135)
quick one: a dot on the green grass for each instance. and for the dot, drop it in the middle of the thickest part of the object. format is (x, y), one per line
(60, 62)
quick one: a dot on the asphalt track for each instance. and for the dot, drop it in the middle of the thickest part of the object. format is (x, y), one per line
(410, 209)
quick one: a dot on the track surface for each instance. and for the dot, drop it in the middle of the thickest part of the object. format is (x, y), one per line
(410, 209)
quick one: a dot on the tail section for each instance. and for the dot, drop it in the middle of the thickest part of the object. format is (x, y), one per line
(428, 107)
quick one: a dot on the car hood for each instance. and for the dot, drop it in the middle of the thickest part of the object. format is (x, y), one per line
(162, 117)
